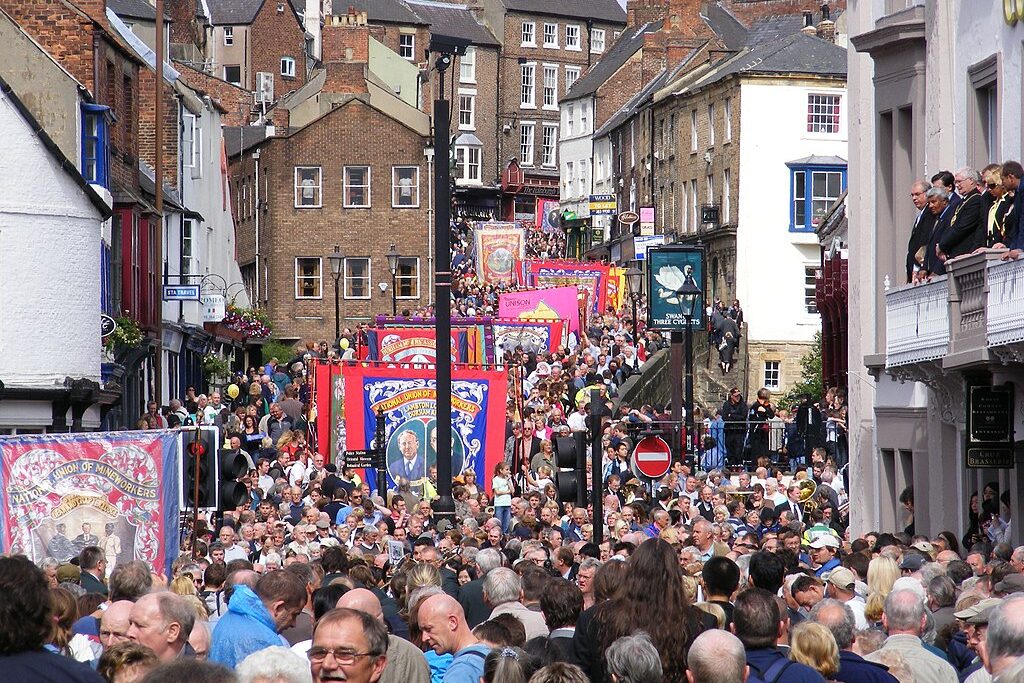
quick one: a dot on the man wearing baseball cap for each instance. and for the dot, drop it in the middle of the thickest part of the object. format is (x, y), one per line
(840, 586)
(975, 619)
(823, 555)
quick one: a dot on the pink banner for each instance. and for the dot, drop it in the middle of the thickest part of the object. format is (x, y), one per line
(557, 303)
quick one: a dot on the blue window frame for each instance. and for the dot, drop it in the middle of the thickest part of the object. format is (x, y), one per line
(813, 189)
(95, 143)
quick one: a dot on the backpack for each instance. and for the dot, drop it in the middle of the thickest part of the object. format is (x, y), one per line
(774, 672)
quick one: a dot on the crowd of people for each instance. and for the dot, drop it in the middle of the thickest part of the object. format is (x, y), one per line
(728, 569)
(962, 213)
(716, 583)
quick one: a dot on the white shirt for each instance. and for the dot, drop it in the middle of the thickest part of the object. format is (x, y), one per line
(297, 474)
(577, 422)
(235, 552)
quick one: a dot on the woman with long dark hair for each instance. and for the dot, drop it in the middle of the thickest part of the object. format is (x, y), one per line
(652, 599)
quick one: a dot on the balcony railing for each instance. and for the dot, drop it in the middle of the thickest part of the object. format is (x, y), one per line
(959, 316)
(1005, 302)
(917, 323)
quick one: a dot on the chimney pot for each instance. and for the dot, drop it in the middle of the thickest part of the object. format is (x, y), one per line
(824, 12)
(808, 19)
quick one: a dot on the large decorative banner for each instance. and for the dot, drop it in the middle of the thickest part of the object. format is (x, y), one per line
(590, 276)
(330, 405)
(675, 286)
(548, 215)
(616, 287)
(557, 303)
(478, 347)
(498, 247)
(533, 336)
(407, 396)
(413, 345)
(117, 490)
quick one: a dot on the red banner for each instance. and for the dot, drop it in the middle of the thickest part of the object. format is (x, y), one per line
(592, 277)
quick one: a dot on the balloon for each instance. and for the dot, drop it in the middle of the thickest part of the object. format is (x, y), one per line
(233, 390)
(343, 344)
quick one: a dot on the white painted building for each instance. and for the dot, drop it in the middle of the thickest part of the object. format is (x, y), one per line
(936, 85)
(575, 153)
(777, 252)
(50, 226)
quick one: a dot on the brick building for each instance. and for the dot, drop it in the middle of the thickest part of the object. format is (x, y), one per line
(353, 175)
(698, 133)
(545, 48)
(259, 45)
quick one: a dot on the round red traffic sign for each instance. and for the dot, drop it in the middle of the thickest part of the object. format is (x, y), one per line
(652, 457)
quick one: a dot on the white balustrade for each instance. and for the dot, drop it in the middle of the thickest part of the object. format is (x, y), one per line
(1005, 302)
(917, 322)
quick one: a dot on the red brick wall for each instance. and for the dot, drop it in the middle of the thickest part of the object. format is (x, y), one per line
(354, 135)
(274, 35)
(147, 126)
(748, 11)
(63, 32)
(237, 102)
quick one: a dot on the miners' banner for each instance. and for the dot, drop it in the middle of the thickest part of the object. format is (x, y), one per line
(413, 345)
(498, 247)
(117, 490)
(330, 411)
(533, 336)
(556, 304)
(407, 397)
(471, 337)
(593, 277)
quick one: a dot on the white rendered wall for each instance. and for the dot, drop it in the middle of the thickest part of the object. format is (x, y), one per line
(49, 265)
(770, 258)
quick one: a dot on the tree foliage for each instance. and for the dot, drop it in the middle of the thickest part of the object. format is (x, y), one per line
(811, 381)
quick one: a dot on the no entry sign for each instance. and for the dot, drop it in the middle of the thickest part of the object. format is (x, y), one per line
(651, 458)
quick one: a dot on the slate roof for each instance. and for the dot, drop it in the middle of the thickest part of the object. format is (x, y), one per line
(238, 139)
(132, 9)
(797, 53)
(386, 11)
(597, 10)
(727, 27)
(234, 12)
(625, 47)
(771, 28)
(636, 102)
(452, 20)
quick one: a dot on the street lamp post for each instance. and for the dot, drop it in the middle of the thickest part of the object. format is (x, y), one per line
(635, 278)
(337, 259)
(392, 257)
(689, 296)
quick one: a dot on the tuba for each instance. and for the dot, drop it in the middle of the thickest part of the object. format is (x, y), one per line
(807, 490)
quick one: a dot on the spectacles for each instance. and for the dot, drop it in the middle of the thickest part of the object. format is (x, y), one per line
(341, 655)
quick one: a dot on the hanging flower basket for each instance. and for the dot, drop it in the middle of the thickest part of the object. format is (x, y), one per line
(126, 334)
(250, 322)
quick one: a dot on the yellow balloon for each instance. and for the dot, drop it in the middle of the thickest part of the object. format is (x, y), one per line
(233, 390)
(343, 344)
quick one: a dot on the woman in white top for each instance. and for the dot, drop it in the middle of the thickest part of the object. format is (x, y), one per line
(501, 484)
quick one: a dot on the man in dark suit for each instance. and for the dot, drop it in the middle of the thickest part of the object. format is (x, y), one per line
(471, 595)
(94, 566)
(1012, 174)
(967, 225)
(792, 504)
(809, 425)
(923, 224)
(938, 205)
(412, 465)
(945, 180)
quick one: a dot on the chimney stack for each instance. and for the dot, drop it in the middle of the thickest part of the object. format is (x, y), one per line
(346, 52)
(826, 27)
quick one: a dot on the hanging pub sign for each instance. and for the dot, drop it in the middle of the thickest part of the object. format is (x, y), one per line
(675, 282)
(990, 427)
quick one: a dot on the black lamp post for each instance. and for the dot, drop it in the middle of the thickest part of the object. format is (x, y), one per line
(392, 256)
(337, 260)
(689, 297)
(635, 278)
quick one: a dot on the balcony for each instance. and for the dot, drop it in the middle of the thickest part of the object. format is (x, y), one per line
(970, 317)
(917, 323)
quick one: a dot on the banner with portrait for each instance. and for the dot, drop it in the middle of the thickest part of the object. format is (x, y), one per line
(548, 215)
(592, 277)
(498, 247)
(60, 493)
(533, 336)
(408, 398)
(557, 303)
(413, 345)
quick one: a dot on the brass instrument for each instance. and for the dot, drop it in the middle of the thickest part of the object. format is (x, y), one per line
(807, 490)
